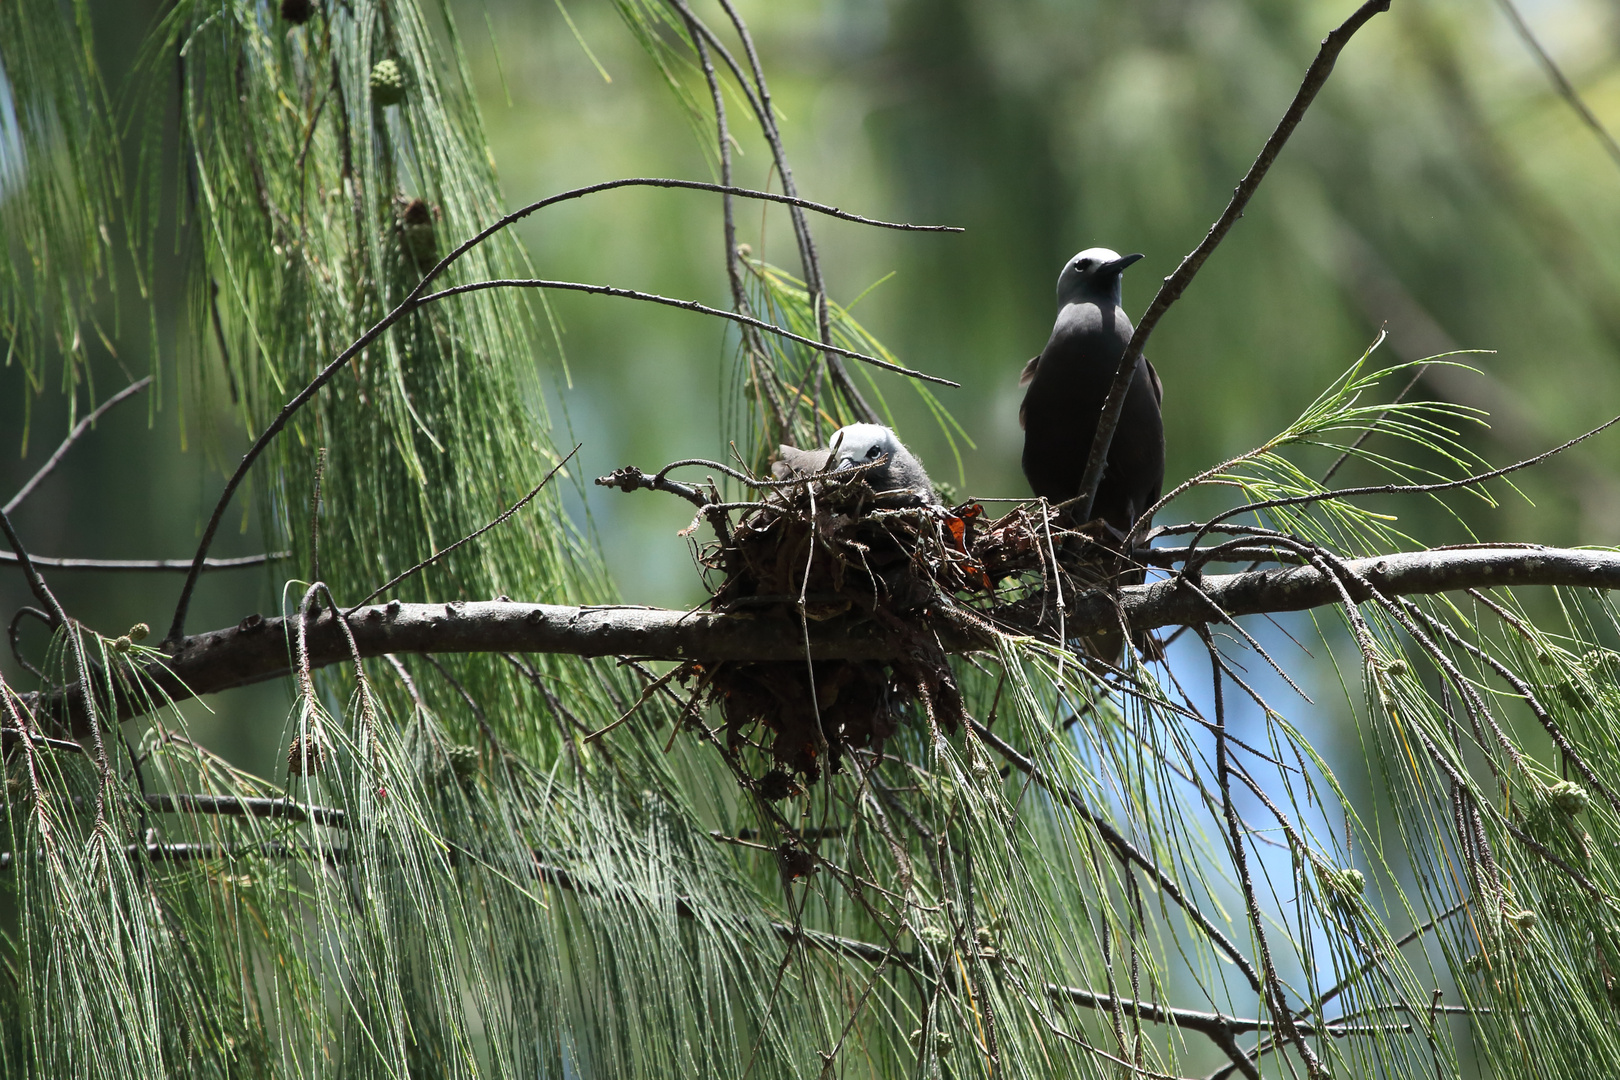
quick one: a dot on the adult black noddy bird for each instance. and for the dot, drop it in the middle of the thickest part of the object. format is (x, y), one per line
(1067, 384)
(900, 477)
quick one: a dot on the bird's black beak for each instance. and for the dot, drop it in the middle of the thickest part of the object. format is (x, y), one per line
(1117, 266)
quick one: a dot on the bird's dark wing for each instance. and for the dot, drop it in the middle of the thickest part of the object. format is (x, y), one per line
(1153, 376)
(1029, 370)
(1026, 377)
(792, 462)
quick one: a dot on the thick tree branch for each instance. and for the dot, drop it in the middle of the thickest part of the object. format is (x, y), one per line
(257, 648)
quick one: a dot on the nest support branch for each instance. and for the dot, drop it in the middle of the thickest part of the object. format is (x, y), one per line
(256, 649)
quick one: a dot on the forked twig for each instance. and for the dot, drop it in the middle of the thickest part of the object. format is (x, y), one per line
(816, 286)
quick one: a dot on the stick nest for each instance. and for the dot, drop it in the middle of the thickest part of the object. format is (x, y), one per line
(831, 547)
(827, 546)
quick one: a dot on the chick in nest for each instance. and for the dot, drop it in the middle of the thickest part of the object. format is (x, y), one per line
(896, 475)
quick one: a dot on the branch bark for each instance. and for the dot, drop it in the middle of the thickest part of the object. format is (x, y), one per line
(258, 648)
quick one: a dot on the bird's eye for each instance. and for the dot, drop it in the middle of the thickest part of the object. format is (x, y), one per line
(874, 452)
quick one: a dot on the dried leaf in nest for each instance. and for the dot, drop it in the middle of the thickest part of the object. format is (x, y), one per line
(1013, 543)
(794, 862)
(776, 785)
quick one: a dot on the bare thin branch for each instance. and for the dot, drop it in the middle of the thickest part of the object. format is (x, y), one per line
(72, 437)
(243, 806)
(1176, 284)
(1561, 83)
(685, 305)
(36, 583)
(126, 565)
(475, 534)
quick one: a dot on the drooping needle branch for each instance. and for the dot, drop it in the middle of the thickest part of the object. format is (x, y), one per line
(1474, 481)
(419, 296)
(1176, 284)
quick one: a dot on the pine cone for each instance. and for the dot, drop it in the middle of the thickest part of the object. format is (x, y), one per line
(387, 83)
(305, 756)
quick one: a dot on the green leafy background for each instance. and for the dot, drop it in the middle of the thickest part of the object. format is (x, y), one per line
(1438, 186)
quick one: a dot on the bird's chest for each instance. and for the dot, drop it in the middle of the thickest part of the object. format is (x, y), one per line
(1080, 359)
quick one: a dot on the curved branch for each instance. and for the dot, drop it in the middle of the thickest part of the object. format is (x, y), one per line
(417, 297)
(36, 583)
(685, 305)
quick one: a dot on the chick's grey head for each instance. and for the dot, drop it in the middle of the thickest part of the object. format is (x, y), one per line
(863, 444)
(1092, 277)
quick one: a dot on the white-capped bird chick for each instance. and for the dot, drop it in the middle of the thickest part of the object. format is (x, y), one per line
(900, 476)
(862, 444)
